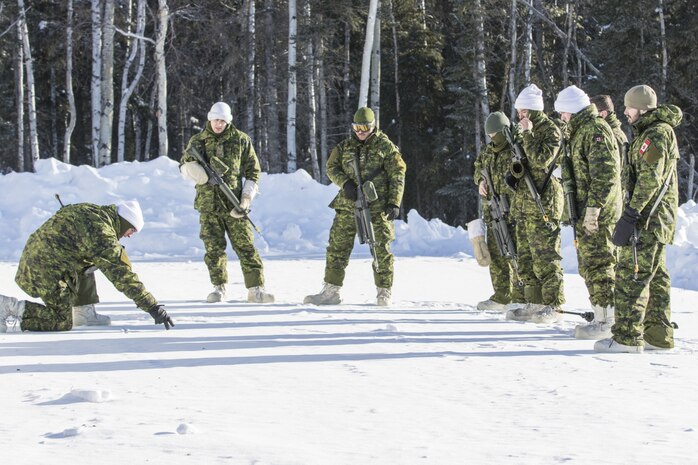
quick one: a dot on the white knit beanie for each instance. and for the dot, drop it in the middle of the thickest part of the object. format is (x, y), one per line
(571, 99)
(531, 98)
(130, 210)
(221, 110)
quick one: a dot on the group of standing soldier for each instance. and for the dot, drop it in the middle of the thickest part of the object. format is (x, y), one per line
(621, 201)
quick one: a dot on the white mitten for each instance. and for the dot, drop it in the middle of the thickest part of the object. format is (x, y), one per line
(194, 171)
(591, 220)
(476, 232)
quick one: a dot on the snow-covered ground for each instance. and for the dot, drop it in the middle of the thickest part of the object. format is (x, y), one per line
(428, 381)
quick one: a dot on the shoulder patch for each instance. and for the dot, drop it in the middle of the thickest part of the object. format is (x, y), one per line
(649, 151)
(598, 138)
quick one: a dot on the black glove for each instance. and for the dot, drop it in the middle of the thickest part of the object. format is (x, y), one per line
(160, 316)
(391, 212)
(350, 190)
(511, 180)
(625, 227)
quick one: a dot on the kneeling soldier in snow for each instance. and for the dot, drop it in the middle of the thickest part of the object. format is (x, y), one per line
(229, 152)
(58, 264)
(380, 163)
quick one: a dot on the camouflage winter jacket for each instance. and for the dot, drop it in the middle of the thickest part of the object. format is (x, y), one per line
(231, 154)
(595, 165)
(497, 159)
(652, 157)
(77, 237)
(379, 161)
(541, 146)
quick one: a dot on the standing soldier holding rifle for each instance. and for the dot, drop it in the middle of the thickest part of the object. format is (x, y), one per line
(643, 285)
(370, 171)
(593, 168)
(217, 160)
(537, 209)
(491, 170)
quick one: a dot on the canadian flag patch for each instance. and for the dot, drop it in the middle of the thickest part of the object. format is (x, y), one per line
(645, 145)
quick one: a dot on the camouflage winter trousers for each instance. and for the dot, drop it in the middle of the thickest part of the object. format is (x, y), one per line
(341, 243)
(540, 261)
(56, 314)
(502, 273)
(643, 306)
(597, 258)
(214, 227)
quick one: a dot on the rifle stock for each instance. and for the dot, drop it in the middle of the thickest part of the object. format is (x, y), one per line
(215, 179)
(569, 188)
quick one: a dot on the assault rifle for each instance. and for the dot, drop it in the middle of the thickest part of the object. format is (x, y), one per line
(499, 208)
(365, 193)
(569, 188)
(215, 179)
(519, 170)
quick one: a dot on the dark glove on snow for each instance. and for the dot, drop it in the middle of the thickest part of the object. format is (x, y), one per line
(350, 190)
(625, 227)
(391, 212)
(160, 316)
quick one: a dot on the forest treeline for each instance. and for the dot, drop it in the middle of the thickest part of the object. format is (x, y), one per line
(100, 81)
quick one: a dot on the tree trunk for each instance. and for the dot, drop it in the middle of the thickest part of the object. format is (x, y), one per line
(665, 56)
(528, 44)
(396, 68)
(31, 94)
(152, 111)
(376, 69)
(136, 46)
(251, 57)
(272, 125)
(480, 66)
(291, 103)
(312, 106)
(19, 97)
(107, 117)
(96, 82)
(513, 61)
(368, 47)
(163, 18)
(568, 40)
(322, 91)
(72, 110)
(346, 77)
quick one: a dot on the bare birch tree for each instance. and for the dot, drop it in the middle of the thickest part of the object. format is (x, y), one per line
(291, 105)
(514, 58)
(107, 94)
(136, 47)
(19, 97)
(96, 81)
(376, 69)
(480, 70)
(163, 18)
(31, 93)
(251, 74)
(72, 110)
(312, 106)
(368, 47)
(665, 55)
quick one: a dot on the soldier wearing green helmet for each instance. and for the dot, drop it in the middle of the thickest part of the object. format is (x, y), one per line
(379, 162)
(496, 159)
